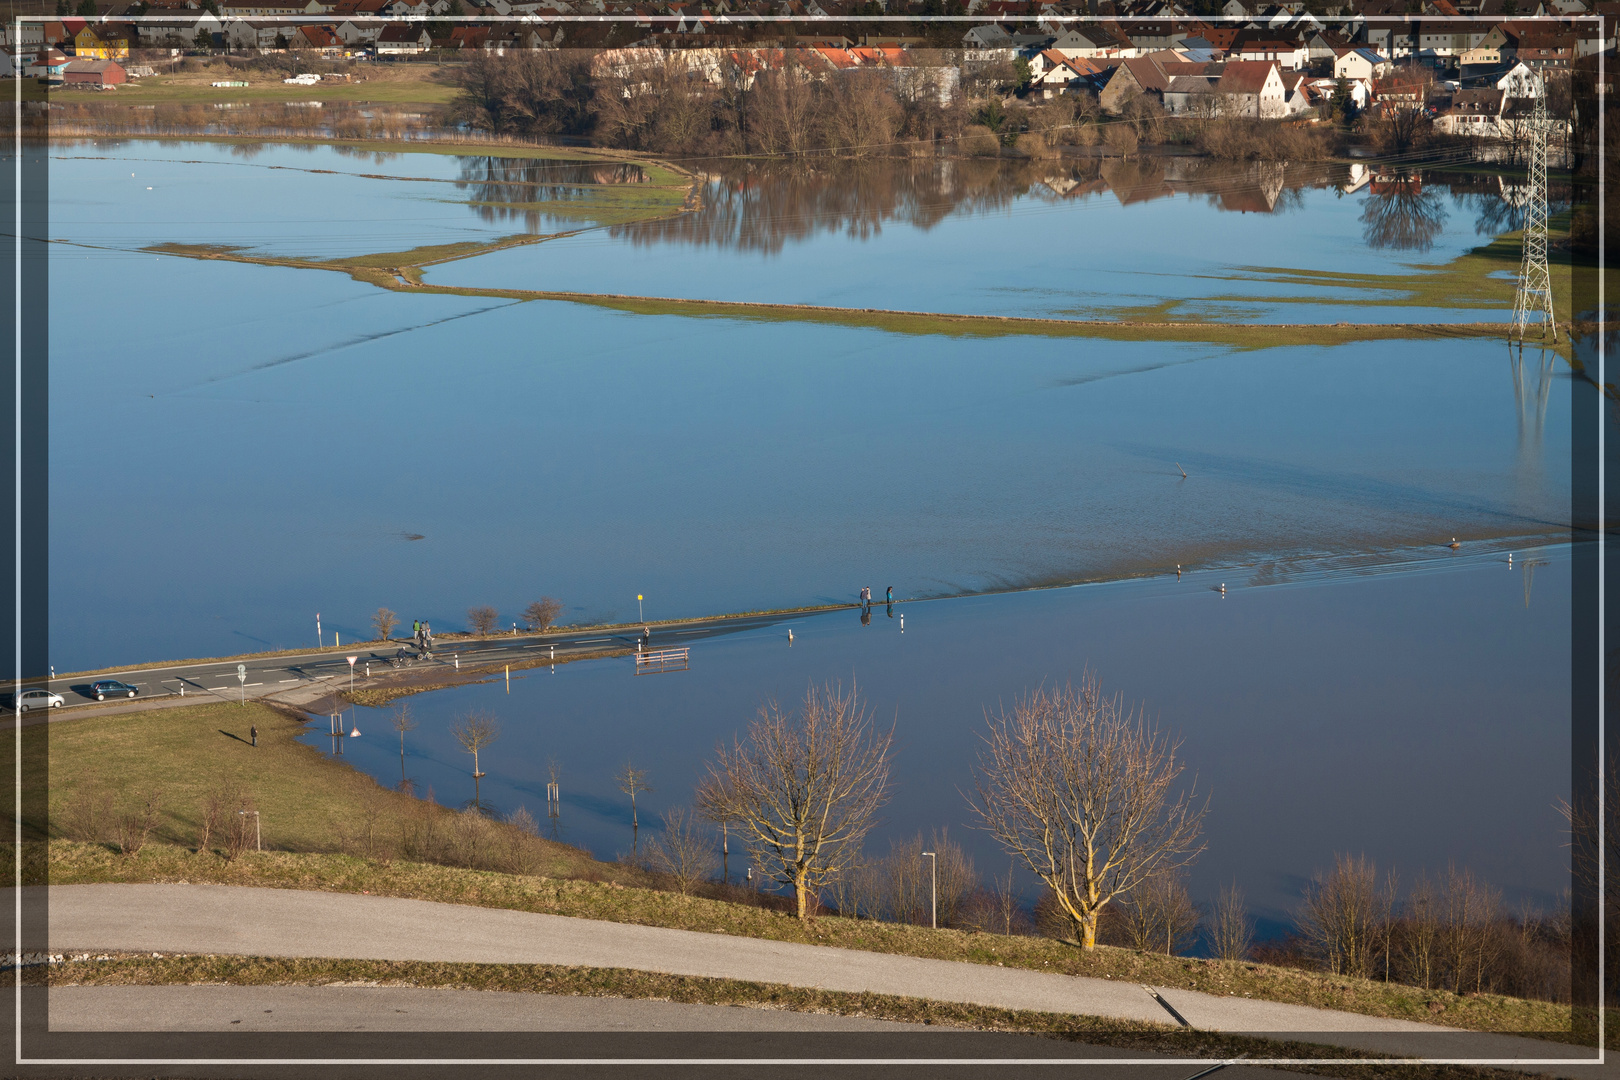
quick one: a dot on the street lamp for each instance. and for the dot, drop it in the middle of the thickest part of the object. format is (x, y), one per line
(933, 894)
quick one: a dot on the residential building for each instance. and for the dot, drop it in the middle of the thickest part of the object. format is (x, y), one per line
(1252, 88)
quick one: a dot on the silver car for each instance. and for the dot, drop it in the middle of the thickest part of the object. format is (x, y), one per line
(38, 699)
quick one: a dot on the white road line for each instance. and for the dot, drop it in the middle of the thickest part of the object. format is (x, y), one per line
(289, 680)
(217, 689)
(591, 641)
(252, 684)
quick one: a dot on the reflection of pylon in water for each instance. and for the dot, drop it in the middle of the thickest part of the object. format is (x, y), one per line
(1534, 294)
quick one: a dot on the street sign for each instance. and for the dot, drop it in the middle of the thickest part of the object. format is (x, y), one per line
(351, 660)
(241, 673)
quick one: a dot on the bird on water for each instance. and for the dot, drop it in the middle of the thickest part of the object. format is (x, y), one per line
(1454, 545)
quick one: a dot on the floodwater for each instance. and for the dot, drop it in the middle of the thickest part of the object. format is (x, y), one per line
(236, 448)
(286, 442)
(1417, 716)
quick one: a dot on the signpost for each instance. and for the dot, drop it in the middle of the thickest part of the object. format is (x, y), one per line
(318, 643)
(351, 660)
(241, 677)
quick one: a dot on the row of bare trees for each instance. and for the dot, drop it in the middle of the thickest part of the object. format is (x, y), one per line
(668, 107)
(1449, 932)
(1079, 790)
(481, 619)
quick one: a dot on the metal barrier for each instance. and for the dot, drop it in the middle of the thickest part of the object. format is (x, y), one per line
(663, 660)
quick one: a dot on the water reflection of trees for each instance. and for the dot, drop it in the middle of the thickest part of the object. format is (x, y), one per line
(504, 189)
(763, 206)
(1402, 215)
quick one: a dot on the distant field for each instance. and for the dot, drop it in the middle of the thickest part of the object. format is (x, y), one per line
(390, 86)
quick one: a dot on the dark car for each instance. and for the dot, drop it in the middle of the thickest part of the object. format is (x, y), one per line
(107, 688)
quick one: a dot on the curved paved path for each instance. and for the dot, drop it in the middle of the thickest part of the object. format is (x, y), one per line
(280, 922)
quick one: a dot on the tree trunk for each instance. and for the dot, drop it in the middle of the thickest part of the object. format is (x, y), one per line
(1088, 930)
(801, 892)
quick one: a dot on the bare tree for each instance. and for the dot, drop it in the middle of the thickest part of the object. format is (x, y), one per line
(1420, 932)
(481, 620)
(632, 781)
(999, 910)
(521, 830)
(685, 851)
(1469, 910)
(1081, 790)
(85, 812)
(1340, 915)
(403, 721)
(1158, 915)
(135, 824)
(474, 731)
(1231, 931)
(240, 824)
(384, 621)
(542, 613)
(804, 791)
(908, 879)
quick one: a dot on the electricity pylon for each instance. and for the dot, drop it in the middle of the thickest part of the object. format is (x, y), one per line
(1534, 294)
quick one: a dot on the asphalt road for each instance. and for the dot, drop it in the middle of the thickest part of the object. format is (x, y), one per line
(304, 677)
(408, 1008)
(276, 922)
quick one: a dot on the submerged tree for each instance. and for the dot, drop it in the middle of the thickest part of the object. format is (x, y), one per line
(474, 731)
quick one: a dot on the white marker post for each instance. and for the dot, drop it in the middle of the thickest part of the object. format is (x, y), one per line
(241, 677)
(639, 616)
(318, 643)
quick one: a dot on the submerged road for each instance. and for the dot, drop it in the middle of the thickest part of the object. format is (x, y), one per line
(298, 679)
(218, 919)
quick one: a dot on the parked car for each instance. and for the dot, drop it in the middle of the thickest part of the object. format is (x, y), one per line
(107, 688)
(37, 699)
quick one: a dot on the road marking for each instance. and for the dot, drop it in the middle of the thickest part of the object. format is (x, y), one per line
(705, 630)
(591, 641)
(245, 685)
(217, 689)
(289, 680)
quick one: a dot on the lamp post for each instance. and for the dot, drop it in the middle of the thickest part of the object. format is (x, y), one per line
(933, 892)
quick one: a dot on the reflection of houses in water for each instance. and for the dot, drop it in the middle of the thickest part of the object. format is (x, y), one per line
(1360, 177)
(1397, 184)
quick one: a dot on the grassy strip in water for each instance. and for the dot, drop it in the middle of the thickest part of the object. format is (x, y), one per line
(559, 981)
(402, 276)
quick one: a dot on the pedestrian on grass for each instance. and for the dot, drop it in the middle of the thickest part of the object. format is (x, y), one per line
(253, 733)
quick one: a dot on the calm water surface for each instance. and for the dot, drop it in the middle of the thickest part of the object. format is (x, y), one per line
(1417, 717)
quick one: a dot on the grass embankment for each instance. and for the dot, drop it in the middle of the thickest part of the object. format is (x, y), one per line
(121, 970)
(398, 272)
(1465, 282)
(311, 807)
